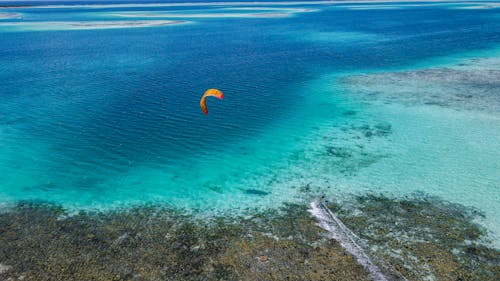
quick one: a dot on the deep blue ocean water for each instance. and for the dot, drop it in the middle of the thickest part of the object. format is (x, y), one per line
(97, 112)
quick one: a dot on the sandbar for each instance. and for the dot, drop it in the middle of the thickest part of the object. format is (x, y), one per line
(81, 25)
(10, 16)
(201, 15)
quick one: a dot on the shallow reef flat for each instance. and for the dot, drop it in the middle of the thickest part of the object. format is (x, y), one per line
(471, 85)
(81, 25)
(41, 242)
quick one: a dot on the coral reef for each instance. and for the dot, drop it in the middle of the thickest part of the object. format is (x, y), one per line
(40, 242)
(420, 237)
(423, 237)
(472, 85)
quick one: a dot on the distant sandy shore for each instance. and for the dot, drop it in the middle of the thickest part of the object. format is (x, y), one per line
(12, 4)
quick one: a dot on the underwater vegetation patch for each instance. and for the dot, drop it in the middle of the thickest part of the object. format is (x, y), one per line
(420, 237)
(256, 192)
(351, 154)
(472, 85)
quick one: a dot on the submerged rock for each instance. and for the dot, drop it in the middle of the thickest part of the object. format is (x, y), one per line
(256, 192)
(349, 113)
(214, 187)
(340, 152)
(383, 129)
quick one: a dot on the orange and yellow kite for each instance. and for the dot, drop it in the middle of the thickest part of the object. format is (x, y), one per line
(210, 93)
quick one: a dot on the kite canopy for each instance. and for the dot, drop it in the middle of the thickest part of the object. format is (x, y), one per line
(209, 93)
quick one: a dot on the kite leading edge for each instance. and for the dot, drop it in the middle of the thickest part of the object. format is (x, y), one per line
(210, 93)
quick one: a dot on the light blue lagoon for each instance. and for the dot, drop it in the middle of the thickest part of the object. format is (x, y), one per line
(99, 104)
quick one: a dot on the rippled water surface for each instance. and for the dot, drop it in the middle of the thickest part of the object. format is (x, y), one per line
(99, 105)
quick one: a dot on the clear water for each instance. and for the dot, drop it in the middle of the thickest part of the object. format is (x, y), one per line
(99, 104)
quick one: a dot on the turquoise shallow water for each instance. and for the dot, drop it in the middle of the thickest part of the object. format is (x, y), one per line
(99, 104)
